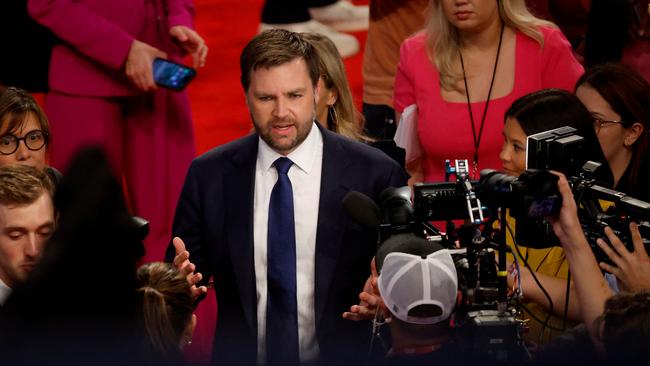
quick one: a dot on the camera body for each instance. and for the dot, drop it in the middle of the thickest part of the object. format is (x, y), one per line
(485, 312)
(603, 207)
(559, 149)
(483, 319)
(533, 196)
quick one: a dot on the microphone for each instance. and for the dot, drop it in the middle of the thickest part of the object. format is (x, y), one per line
(363, 210)
(396, 205)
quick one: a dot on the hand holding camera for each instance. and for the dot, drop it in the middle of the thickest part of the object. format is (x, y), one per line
(567, 225)
(632, 269)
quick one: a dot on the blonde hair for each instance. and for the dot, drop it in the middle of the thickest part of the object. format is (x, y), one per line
(167, 305)
(347, 120)
(443, 39)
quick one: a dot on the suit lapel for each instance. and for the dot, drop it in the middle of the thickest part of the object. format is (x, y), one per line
(331, 220)
(240, 186)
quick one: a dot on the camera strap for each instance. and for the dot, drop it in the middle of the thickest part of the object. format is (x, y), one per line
(477, 139)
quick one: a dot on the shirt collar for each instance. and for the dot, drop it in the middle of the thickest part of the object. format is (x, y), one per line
(303, 156)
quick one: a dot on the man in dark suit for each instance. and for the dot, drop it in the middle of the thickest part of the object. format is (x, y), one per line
(286, 259)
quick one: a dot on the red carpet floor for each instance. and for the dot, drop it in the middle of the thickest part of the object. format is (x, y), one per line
(219, 107)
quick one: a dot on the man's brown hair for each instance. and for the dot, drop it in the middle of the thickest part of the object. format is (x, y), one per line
(624, 328)
(277, 47)
(23, 185)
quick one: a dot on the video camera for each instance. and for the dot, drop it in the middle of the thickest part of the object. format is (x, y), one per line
(529, 199)
(601, 207)
(483, 318)
(485, 312)
(533, 196)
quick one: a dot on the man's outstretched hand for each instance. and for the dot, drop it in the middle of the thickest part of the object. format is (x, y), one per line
(370, 300)
(183, 264)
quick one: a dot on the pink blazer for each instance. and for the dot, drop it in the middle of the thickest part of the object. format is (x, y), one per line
(97, 35)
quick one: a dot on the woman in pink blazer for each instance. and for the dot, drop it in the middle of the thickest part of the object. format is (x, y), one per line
(102, 92)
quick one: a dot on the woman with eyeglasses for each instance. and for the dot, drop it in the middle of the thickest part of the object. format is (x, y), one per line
(24, 130)
(616, 100)
(619, 101)
(534, 113)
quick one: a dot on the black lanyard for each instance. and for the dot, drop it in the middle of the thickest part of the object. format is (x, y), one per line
(477, 139)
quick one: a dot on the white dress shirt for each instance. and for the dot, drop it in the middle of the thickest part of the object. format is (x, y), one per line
(5, 291)
(305, 176)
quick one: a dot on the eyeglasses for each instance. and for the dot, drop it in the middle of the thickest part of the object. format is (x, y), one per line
(34, 140)
(599, 123)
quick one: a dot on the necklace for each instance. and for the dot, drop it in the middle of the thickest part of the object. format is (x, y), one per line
(477, 139)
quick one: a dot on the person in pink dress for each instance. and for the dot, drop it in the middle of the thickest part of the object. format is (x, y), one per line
(101, 91)
(465, 69)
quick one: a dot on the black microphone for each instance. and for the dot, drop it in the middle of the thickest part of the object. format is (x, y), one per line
(362, 209)
(396, 205)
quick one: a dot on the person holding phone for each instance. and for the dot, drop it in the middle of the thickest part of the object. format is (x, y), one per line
(172, 75)
(102, 91)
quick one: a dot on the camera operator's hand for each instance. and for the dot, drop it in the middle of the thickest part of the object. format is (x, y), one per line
(370, 299)
(183, 264)
(567, 225)
(632, 269)
(591, 288)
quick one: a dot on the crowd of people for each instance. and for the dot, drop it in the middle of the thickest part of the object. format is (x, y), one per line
(297, 279)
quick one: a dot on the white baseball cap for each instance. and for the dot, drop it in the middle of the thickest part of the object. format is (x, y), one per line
(408, 280)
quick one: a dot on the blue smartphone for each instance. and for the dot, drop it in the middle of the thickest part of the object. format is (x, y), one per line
(172, 75)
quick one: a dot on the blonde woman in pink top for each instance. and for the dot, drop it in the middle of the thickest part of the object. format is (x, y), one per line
(461, 73)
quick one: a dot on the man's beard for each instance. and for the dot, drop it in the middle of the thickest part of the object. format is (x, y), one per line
(284, 145)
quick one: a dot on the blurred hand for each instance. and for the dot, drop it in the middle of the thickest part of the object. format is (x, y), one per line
(139, 65)
(370, 299)
(191, 42)
(183, 264)
(643, 28)
(631, 269)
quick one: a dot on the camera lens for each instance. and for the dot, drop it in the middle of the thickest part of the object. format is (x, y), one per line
(495, 188)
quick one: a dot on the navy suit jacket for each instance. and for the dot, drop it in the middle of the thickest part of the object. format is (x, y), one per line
(214, 217)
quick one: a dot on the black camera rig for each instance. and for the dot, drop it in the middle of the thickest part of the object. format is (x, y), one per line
(485, 315)
(484, 318)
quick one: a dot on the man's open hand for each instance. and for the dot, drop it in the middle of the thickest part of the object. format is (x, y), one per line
(370, 300)
(183, 264)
